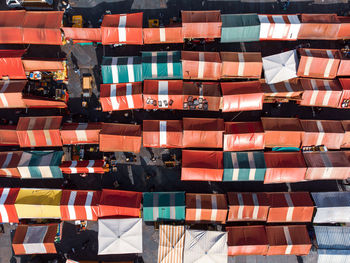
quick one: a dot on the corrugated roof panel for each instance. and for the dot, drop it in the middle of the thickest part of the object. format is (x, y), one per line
(332, 237)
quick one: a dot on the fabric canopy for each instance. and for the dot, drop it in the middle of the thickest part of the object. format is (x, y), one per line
(161, 65)
(122, 96)
(121, 69)
(119, 236)
(202, 166)
(279, 27)
(11, 93)
(346, 139)
(343, 32)
(79, 205)
(83, 34)
(162, 134)
(122, 29)
(11, 22)
(163, 206)
(201, 24)
(11, 65)
(319, 26)
(285, 90)
(42, 102)
(8, 135)
(201, 96)
(171, 244)
(31, 65)
(163, 35)
(343, 69)
(80, 133)
(8, 213)
(332, 237)
(9, 162)
(345, 96)
(85, 166)
(120, 138)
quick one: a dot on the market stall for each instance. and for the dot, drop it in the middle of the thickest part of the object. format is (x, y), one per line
(201, 96)
(321, 27)
(161, 65)
(11, 66)
(279, 27)
(8, 135)
(80, 133)
(11, 93)
(284, 91)
(82, 35)
(162, 35)
(162, 134)
(344, 102)
(8, 213)
(171, 244)
(9, 162)
(346, 140)
(82, 167)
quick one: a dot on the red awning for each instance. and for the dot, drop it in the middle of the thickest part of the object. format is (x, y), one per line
(120, 138)
(11, 64)
(83, 34)
(282, 91)
(42, 65)
(85, 166)
(202, 166)
(241, 96)
(344, 101)
(319, 26)
(11, 93)
(9, 162)
(201, 24)
(81, 133)
(162, 134)
(42, 102)
(344, 66)
(208, 92)
(346, 140)
(344, 30)
(11, 26)
(8, 135)
(122, 29)
(162, 35)
(8, 213)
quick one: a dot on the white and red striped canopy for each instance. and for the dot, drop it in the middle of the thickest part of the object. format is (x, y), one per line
(8, 213)
(81, 133)
(162, 134)
(279, 27)
(85, 166)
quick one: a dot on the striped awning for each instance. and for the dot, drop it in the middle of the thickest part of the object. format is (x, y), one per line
(171, 244)
(85, 166)
(279, 27)
(162, 134)
(285, 90)
(8, 213)
(11, 93)
(9, 162)
(80, 133)
(161, 35)
(207, 94)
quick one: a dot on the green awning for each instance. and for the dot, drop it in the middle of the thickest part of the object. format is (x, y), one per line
(240, 28)
(163, 206)
(244, 166)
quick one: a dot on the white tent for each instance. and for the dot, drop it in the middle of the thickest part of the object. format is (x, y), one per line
(205, 246)
(119, 236)
(280, 67)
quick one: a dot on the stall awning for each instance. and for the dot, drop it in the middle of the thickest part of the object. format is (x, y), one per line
(244, 136)
(279, 27)
(41, 102)
(240, 28)
(31, 65)
(284, 91)
(167, 92)
(333, 255)
(11, 64)
(344, 66)
(344, 101)
(8, 213)
(241, 96)
(346, 140)
(8, 164)
(121, 69)
(35, 239)
(82, 34)
(202, 166)
(201, 65)
(203, 133)
(122, 29)
(80, 133)
(163, 206)
(38, 203)
(8, 135)
(206, 208)
(79, 205)
(171, 244)
(201, 24)
(333, 237)
(39, 131)
(163, 35)
(162, 134)
(11, 93)
(85, 166)
(318, 63)
(117, 203)
(122, 96)
(319, 26)
(247, 206)
(284, 167)
(201, 96)
(161, 65)
(290, 207)
(344, 28)
(11, 26)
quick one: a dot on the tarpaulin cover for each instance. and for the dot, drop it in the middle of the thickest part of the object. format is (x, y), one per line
(41, 102)
(79, 205)
(8, 213)
(39, 131)
(241, 96)
(163, 206)
(203, 133)
(333, 237)
(319, 26)
(244, 166)
(11, 93)
(345, 95)
(284, 167)
(162, 134)
(322, 132)
(161, 65)
(240, 28)
(9, 162)
(202, 166)
(8, 135)
(35, 239)
(117, 203)
(120, 138)
(122, 96)
(80, 133)
(247, 206)
(318, 63)
(241, 65)
(282, 132)
(327, 165)
(279, 27)
(321, 93)
(201, 24)
(83, 34)
(205, 246)
(171, 244)
(85, 166)
(344, 29)
(344, 66)
(243, 136)
(288, 240)
(346, 139)
(201, 65)
(122, 29)
(206, 208)
(208, 92)
(121, 69)
(290, 207)
(168, 92)
(11, 64)
(38, 203)
(283, 90)
(247, 240)
(163, 35)
(332, 207)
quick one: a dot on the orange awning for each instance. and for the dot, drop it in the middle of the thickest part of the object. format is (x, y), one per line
(201, 24)
(162, 133)
(11, 93)
(83, 34)
(11, 64)
(162, 35)
(208, 92)
(11, 26)
(8, 135)
(41, 102)
(344, 30)
(80, 133)
(319, 26)
(42, 65)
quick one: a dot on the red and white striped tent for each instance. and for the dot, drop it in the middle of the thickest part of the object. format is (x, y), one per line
(122, 29)
(318, 63)
(121, 96)
(85, 166)
(209, 92)
(39, 131)
(8, 213)
(319, 26)
(247, 206)
(282, 91)
(9, 162)
(8, 135)
(79, 205)
(81, 133)
(162, 134)
(11, 93)
(279, 27)
(162, 35)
